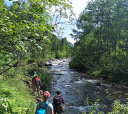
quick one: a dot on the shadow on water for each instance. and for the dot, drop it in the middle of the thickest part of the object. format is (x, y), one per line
(75, 89)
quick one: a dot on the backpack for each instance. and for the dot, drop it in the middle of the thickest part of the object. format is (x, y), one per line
(57, 100)
(37, 81)
(33, 78)
(42, 110)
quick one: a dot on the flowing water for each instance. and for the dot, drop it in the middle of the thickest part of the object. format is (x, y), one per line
(79, 92)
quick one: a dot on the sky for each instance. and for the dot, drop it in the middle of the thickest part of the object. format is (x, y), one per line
(78, 7)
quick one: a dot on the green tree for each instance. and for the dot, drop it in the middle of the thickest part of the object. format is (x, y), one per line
(102, 39)
(26, 27)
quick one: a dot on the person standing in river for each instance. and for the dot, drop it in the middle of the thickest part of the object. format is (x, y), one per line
(57, 103)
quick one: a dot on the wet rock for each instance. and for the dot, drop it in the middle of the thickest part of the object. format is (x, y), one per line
(77, 79)
(59, 74)
(48, 64)
(98, 84)
(78, 110)
(75, 88)
(113, 84)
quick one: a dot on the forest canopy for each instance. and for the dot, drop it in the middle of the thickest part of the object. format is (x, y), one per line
(27, 32)
(102, 38)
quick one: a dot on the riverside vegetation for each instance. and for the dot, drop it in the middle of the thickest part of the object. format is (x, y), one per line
(27, 41)
(27, 37)
(101, 46)
(101, 43)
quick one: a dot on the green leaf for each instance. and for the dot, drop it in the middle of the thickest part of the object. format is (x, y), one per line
(27, 27)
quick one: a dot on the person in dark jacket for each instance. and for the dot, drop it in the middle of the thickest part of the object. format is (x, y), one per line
(57, 102)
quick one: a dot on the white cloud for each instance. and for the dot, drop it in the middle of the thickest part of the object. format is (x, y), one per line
(78, 7)
(71, 40)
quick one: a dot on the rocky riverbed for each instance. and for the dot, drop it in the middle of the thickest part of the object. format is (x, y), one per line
(80, 92)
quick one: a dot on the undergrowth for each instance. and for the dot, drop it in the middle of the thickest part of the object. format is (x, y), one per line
(15, 97)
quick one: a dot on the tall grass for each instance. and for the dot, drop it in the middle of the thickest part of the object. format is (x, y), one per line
(15, 97)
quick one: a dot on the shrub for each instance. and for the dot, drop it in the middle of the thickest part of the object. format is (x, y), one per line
(118, 108)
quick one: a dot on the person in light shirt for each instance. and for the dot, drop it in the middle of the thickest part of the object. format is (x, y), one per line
(49, 108)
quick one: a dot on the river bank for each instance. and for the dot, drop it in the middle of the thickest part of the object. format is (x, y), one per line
(77, 88)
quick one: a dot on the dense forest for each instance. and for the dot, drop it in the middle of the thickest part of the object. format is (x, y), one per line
(27, 33)
(27, 40)
(101, 40)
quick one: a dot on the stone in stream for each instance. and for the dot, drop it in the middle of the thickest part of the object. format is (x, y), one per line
(48, 64)
(98, 84)
(78, 110)
(59, 74)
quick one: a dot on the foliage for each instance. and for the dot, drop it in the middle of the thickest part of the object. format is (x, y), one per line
(96, 73)
(118, 108)
(15, 97)
(26, 32)
(27, 39)
(95, 108)
(101, 40)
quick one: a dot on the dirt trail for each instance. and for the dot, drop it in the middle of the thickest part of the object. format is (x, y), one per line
(29, 84)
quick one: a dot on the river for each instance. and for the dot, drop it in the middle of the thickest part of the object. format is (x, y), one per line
(80, 92)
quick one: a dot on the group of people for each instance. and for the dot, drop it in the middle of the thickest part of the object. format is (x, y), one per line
(44, 105)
